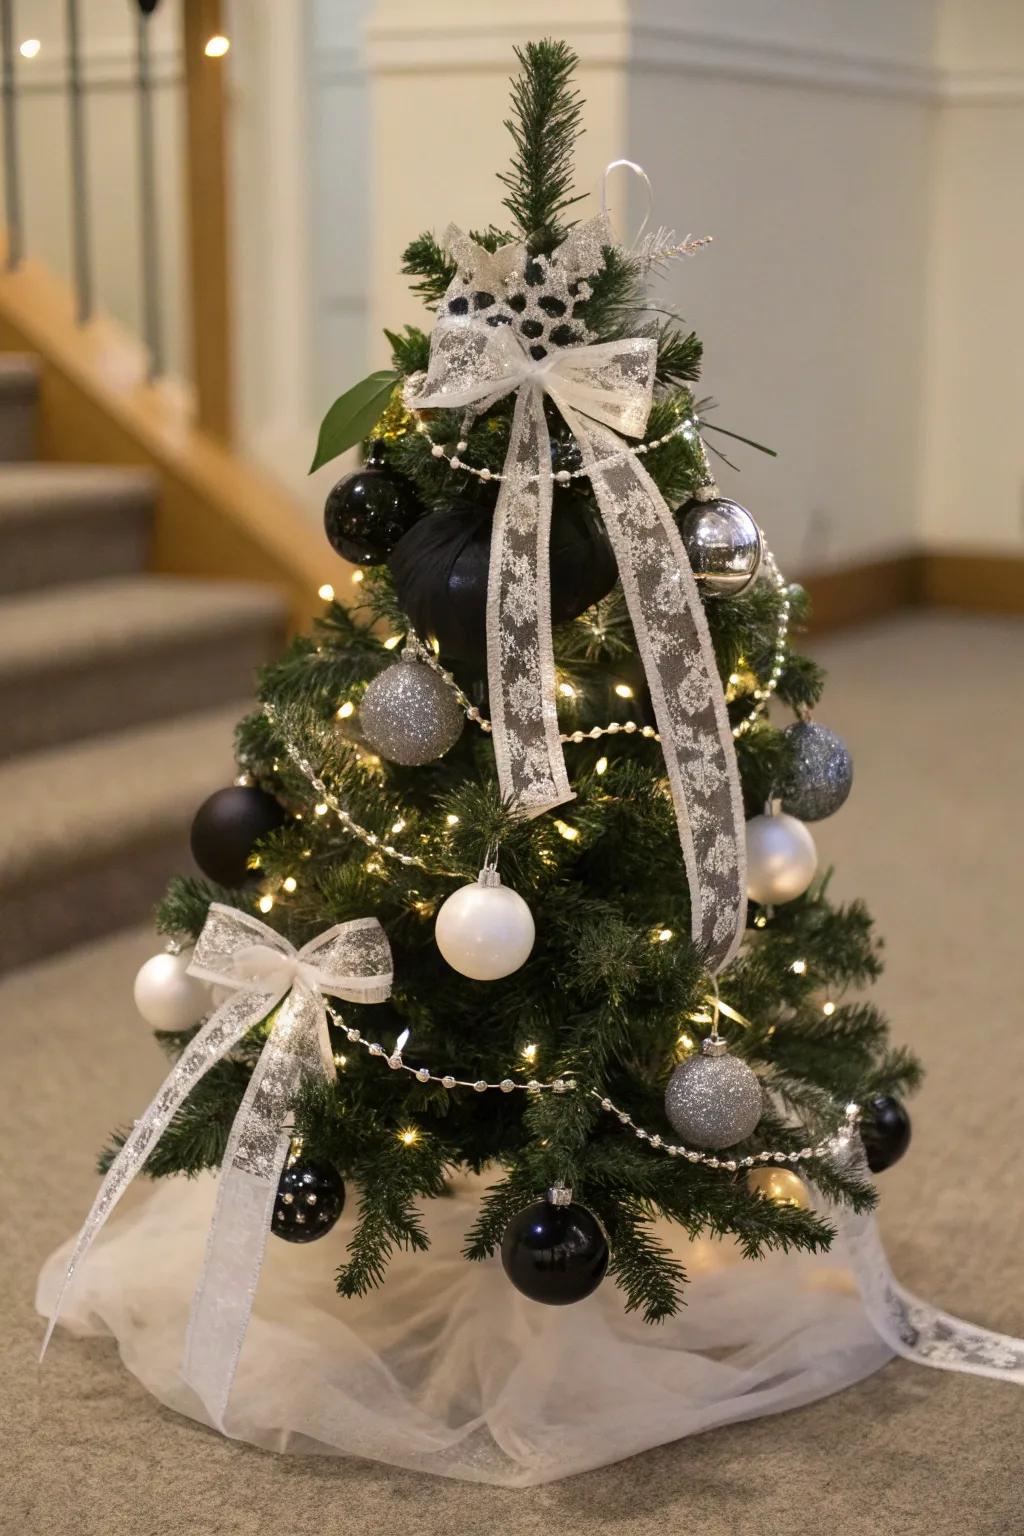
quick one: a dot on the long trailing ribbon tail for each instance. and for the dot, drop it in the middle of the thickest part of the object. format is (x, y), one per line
(227, 1026)
(520, 650)
(352, 961)
(689, 705)
(253, 1160)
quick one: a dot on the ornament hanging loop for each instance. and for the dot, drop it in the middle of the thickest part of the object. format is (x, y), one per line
(637, 170)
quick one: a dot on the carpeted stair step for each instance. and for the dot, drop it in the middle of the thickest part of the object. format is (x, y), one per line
(90, 833)
(77, 661)
(63, 523)
(19, 393)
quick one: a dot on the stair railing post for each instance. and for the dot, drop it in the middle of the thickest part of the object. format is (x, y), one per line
(81, 255)
(12, 169)
(149, 226)
(206, 202)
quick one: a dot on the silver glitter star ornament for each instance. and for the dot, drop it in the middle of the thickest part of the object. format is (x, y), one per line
(713, 1099)
(409, 715)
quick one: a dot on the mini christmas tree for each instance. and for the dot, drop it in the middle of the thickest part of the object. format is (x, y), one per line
(526, 749)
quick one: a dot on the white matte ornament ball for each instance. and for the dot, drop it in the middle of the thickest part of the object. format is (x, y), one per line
(485, 930)
(781, 859)
(167, 996)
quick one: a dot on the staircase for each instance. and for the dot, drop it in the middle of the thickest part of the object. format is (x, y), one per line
(119, 691)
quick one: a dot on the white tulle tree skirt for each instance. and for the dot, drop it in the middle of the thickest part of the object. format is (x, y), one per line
(447, 1369)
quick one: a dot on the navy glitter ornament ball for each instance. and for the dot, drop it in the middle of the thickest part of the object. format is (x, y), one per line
(310, 1198)
(885, 1132)
(368, 511)
(555, 1251)
(820, 773)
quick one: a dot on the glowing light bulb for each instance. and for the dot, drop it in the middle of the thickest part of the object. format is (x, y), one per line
(687, 1043)
(29, 49)
(339, 1060)
(623, 690)
(392, 641)
(601, 766)
(569, 833)
(320, 809)
(346, 710)
(217, 46)
(799, 967)
(828, 1009)
(663, 935)
(408, 1137)
(357, 577)
(266, 903)
(398, 826)
(289, 883)
(529, 1053)
(452, 819)
(567, 690)
(326, 592)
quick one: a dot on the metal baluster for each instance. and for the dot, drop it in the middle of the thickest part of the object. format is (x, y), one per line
(79, 174)
(12, 182)
(149, 242)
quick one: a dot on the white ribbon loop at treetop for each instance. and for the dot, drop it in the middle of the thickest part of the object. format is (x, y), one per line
(510, 323)
(263, 972)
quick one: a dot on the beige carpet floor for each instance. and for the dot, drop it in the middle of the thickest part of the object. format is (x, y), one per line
(932, 838)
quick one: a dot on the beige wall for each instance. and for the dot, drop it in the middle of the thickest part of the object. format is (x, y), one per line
(853, 316)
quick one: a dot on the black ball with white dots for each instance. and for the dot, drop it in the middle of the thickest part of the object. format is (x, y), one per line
(310, 1198)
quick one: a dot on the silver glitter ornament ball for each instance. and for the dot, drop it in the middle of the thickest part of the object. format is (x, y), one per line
(723, 543)
(714, 1099)
(410, 715)
(821, 772)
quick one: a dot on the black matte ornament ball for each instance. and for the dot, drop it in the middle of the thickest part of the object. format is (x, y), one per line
(885, 1132)
(310, 1198)
(368, 511)
(227, 828)
(441, 566)
(554, 1253)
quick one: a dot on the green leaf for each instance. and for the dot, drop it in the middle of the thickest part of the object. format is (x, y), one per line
(352, 416)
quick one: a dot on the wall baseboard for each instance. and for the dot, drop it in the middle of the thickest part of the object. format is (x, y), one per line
(966, 579)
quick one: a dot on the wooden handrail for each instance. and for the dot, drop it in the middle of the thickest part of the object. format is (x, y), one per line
(206, 203)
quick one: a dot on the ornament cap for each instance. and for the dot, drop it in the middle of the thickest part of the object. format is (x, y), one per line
(559, 1194)
(488, 877)
(714, 1045)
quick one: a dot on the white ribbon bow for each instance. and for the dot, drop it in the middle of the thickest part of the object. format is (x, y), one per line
(478, 354)
(262, 970)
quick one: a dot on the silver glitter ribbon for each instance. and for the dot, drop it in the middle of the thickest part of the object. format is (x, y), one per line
(263, 972)
(479, 353)
(911, 1327)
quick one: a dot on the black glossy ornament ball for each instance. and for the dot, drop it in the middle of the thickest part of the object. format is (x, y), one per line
(368, 511)
(310, 1198)
(228, 826)
(885, 1132)
(554, 1253)
(440, 568)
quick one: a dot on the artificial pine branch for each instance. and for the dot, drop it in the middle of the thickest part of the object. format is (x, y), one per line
(545, 125)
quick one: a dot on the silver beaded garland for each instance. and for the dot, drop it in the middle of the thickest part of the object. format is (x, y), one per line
(723, 543)
(821, 772)
(714, 1099)
(409, 715)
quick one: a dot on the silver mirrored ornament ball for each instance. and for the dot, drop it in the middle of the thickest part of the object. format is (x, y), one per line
(410, 715)
(713, 1099)
(821, 771)
(723, 544)
(781, 858)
